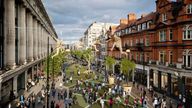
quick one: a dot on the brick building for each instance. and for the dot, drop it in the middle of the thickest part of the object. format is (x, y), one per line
(162, 41)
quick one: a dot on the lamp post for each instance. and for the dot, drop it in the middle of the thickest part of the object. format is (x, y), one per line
(48, 73)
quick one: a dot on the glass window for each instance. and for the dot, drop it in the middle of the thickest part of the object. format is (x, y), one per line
(155, 79)
(162, 57)
(144, 26)
(187, 58)
(162, 35)
(187, 33)
(147, 41)
(189, 9)
(170, 57)
(139, 27)
(170, 34)
(164, 17)
(164, 81)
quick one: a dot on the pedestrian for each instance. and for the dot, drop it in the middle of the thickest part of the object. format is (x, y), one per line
(110, 102)
(58, 95)
(52, 104)
(155, 103)
(65, 94)
(71, 79)
(33, 100)
(102, 102)
(57, 105)
(126, 102)
(163, 104)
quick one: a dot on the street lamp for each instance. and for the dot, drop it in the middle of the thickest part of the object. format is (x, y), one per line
(128, 51)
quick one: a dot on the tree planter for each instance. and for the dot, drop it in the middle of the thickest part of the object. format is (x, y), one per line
(111, 80)
(127, 88)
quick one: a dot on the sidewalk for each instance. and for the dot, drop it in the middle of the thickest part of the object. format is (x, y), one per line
(136, 93)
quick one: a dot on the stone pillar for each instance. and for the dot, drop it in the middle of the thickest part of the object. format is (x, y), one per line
(38, 38)
(35, 39)
(10, 20)
(22, 33)
(26, 80)
(133, 75)
(30, 37)
(15, 83)
(0, 88)
(148, 79)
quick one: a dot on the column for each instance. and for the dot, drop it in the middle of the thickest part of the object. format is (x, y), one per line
(0, 88)
(148, 79)
(10, 20)
(169, 84)
(38, 38)
(26, 80)
(15, 83)
(30, 37)
(159, 80)
(22, 33)
(35, 39)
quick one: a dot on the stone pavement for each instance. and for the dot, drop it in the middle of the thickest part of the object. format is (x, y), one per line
(136, 93)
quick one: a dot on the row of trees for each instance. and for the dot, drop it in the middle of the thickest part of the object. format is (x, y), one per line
(55, 63)
(85, 56)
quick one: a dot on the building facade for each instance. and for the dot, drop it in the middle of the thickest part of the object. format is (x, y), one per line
(25, 33)
(160, 43)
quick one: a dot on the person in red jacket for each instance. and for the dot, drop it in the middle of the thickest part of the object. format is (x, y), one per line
(111, 102)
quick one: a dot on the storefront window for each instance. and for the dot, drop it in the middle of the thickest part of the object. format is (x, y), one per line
(174, 85)
(164, 81)
(155, 79)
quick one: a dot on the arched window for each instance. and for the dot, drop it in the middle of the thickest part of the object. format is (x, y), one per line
(187, 58)
(187, 32)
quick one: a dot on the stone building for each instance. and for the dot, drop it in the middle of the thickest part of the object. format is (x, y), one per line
(160, 45)
(25, 29)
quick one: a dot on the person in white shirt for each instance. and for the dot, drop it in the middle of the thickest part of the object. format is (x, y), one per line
(102, 102)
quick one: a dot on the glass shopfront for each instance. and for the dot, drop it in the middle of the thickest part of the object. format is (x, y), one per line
(174, 85)
(164, 81)
(140, 76)
(155, 79)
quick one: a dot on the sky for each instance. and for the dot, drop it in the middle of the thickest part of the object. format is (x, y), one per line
(71, 18)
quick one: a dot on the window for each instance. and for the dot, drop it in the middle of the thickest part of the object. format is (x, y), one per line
(137, 56)
(136, 42)
(162, 35)
(131, 42)
(189, 9)
(162, 57)
(170, 57)
(147, 41)
(141, 40)
(187, 58)
(187, 32)
(170, 34)
(139, 27)
(144, 26)
(164, 17)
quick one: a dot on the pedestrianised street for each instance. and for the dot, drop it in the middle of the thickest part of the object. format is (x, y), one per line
(95, 53)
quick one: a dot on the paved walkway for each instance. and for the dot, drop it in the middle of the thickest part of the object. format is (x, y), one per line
(136, 93)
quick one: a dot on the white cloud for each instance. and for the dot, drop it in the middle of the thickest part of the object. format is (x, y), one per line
(72, 17)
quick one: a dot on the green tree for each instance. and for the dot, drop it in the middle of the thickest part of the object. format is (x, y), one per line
(109, 62)
(88, 57)
(127, 68)
(55, 63)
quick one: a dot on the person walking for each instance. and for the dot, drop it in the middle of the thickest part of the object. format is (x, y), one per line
(111, 102)
(52, 104)
(102, 102)
(33, 101)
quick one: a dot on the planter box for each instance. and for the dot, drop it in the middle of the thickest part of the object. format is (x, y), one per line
(111, 80)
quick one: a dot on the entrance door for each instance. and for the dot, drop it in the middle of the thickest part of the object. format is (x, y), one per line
(1, 34)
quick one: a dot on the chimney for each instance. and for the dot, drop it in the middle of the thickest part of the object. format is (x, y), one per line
(131, 17)
(123, 21)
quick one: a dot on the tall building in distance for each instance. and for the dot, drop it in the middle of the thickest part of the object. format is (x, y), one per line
(160, 45)
(95, 30)
(25, 29)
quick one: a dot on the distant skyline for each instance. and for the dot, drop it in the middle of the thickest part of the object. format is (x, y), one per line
(72, 17)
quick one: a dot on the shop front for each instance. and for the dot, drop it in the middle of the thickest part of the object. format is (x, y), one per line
(6, 88)
(140, 76)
